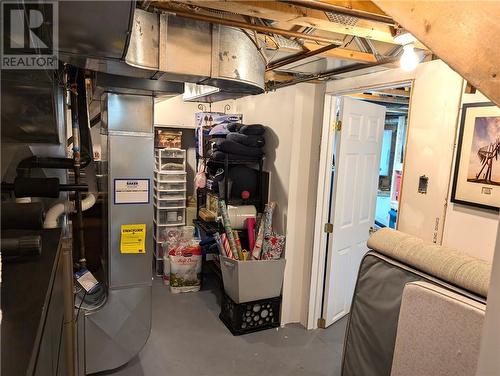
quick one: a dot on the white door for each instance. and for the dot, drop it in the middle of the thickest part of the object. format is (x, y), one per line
(352, 212)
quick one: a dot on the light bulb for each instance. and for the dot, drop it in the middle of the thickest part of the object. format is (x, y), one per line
(409, 59)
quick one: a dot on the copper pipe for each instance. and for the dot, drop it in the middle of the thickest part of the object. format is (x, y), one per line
(244, 25)
(331, 73)
(325, 7)
(300, 56)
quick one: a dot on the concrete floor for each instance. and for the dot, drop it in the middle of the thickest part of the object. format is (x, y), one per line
(188, 339)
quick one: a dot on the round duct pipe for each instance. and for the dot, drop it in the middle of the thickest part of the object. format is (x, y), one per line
(237, 66)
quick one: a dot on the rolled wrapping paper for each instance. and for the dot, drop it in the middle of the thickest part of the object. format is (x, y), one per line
(220, 246)
(257, 249)
(274, 245)
(227, 248)
(238, 245)
(267, 221)
(250, 224)
(228, 228)
(239, 214)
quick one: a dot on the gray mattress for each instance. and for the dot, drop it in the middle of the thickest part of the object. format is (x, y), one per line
(371, 332)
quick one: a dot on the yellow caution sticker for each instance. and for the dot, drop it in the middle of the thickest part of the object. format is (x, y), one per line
(133, 238)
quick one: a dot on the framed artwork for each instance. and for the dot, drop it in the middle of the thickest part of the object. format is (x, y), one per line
(476, 179)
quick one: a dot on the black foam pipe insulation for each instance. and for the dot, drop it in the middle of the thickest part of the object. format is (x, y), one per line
(28, 216)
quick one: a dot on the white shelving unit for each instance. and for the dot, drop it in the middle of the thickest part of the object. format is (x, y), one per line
(169, 197)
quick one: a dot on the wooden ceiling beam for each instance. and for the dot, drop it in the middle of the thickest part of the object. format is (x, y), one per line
(394, 92)
(343, 54)
(362, 6)
(337, 53)
(380, 99)
(288, 14)
(464, 34)
(346, 8)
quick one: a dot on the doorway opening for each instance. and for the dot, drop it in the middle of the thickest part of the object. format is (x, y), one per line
(363, 193)
(396, 102)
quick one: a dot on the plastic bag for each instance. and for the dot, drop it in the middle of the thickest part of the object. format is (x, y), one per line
(185, 266)
(200, 180)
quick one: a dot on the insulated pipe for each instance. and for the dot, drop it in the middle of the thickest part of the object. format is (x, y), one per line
(53, 214)
(74, 76)
(6, 187)
(24, 167)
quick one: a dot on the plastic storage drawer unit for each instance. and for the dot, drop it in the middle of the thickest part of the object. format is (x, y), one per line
(170, 204)
(174, 177)
(170, 217)
(171, 186)
(170, 195)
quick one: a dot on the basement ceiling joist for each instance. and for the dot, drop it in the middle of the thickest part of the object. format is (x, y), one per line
(464, 34)
(343, 54)
(380, 99)
(289, 15)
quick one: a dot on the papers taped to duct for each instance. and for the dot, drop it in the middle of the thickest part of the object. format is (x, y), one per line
(133, 238)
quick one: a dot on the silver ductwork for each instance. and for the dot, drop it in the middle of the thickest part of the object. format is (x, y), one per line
(161, 47)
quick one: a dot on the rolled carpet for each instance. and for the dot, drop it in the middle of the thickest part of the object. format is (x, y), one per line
(248, 140)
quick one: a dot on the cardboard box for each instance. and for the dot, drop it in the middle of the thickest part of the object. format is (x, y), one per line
(246, 281)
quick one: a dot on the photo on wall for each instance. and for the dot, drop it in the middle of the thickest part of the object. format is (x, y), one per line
(485, 151)
(477, 169)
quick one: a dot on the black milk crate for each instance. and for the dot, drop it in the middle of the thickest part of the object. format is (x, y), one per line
(250, 317)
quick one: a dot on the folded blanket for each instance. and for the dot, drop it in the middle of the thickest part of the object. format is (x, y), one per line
(221, 156)
(248, 140)
(253, 129)
(234, 127)
(232, 147)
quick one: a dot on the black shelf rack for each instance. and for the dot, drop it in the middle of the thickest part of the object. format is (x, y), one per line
(259, 202)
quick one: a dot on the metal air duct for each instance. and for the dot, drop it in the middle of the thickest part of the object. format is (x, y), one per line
(161, 47)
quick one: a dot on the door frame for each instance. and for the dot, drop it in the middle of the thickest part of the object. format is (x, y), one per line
(335, 89)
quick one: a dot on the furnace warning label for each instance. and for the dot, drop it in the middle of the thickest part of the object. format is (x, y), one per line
(133, 238)
(131, 191)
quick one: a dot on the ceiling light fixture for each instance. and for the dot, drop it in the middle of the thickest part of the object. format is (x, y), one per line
(409, 59)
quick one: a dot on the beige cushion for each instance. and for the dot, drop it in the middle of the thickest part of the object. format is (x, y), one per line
(438, 334)
(441, 262)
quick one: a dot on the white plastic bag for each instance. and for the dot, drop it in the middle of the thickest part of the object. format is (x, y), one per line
(185, 267)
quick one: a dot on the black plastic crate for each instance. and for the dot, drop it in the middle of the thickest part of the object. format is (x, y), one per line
(250, 317)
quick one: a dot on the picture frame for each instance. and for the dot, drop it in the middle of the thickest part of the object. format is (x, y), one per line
(476, 179)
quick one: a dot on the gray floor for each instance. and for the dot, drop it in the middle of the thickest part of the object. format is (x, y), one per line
(188, 339)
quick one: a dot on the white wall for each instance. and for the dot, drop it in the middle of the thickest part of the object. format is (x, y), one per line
(435, 100)
(433, 121)
(177, 113)
(467, 228)
(293, 116)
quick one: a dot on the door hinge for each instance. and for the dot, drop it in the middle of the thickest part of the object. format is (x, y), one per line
(321, 323)
(328, 228)
(338, 125)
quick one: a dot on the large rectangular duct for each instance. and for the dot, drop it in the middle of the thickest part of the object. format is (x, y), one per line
(172, 48)
(116, 331)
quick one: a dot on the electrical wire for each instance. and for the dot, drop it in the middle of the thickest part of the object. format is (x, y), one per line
(80, 306)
